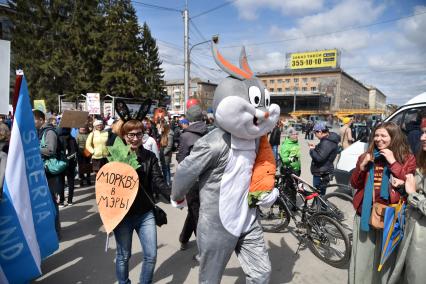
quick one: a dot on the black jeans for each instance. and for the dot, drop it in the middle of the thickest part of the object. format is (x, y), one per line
(191, 221)
(70, 174)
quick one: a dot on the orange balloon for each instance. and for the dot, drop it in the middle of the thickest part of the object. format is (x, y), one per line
(116, 188)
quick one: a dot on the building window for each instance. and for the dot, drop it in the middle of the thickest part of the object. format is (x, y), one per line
(279, 81)
(264, 82)
(313, 79)
(287, 89)
(279, 90)
(296, 80)
(296, 89)
(304, 89)
(271, 89)
(313, 89)
(271, 81)
(287, 81)
(305, 80)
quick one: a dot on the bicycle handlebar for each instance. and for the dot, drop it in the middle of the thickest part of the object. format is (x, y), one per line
(303, 181)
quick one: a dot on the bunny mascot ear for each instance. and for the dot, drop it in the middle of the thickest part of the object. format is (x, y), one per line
(243, 62)
(231, 69)
(144, 109)
(122, 110)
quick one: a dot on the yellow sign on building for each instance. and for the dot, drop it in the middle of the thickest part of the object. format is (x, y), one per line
(314, 59)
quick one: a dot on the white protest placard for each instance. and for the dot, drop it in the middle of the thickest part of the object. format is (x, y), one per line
(93, 101)
(4, 76)
(107, 109)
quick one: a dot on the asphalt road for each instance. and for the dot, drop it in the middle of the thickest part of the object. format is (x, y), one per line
(81, 257)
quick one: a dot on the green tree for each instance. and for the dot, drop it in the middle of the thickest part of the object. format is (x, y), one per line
(39, 47)
(152, 71)
(121, 62)
(86, 29)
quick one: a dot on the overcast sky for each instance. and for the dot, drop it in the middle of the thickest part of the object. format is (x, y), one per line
(382, 43)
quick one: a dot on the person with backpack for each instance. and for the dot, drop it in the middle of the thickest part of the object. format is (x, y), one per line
(71, 148)
(195, 130)
(49, 148)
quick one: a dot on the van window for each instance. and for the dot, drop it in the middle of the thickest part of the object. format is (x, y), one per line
(413, 117)
(398, 118)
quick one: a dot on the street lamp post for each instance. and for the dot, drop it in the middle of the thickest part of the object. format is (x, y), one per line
(85, 97)
(60, 103)
(215, 39)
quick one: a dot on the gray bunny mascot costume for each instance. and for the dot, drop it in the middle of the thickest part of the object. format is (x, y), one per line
(222, 161)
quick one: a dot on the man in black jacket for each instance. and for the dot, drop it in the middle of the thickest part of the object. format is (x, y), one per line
(323, 156)
(274, 140)
(196, 129)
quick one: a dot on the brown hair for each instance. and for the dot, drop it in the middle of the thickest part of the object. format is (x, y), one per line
(131, 125)
(165, 135)
(421, 160)
(116, 127)
(398, 145)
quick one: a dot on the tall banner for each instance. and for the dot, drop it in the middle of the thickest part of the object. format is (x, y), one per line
(27, 212)
(4, 76)
(108, 109)
(93, 101)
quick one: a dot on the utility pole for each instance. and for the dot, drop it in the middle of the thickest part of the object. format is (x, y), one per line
(186, 53)
(294, 95)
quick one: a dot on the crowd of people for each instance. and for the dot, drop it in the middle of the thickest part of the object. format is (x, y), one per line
(389, 172)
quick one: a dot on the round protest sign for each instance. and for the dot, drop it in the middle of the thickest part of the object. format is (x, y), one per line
(116, 188)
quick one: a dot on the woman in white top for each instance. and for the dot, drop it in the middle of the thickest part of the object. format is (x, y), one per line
(150, 144)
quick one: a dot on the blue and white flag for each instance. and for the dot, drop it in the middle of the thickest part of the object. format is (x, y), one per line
(27, 212)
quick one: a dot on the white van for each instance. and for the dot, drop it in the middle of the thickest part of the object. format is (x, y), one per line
(401, 116)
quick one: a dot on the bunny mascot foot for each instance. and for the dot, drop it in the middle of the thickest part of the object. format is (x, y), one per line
(229, 166)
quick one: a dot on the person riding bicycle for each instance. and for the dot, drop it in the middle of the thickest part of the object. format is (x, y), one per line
(290, 157)
(323, 155)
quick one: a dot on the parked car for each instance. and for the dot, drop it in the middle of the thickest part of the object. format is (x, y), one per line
(402, 116)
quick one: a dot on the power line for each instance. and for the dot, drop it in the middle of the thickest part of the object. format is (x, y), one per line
(328, 33)
(214, 9)
(191, 22)
(170, 44)
(156, 7)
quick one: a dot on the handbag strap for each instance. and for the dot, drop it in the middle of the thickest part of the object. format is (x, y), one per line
(149, 198)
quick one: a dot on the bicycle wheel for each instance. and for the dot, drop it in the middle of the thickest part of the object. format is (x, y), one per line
(328, 240)
(274, 219)
(341, 208)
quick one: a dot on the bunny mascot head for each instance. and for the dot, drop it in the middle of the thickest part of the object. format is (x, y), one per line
(242, 105)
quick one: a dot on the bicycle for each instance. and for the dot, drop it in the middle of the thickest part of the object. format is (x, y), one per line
(323, 234)
(330, 203)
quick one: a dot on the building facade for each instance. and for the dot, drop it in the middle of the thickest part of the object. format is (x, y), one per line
(377, 100)
(199, 89)
(320, 90)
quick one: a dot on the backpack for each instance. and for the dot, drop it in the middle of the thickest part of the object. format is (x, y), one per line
(58, 163)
